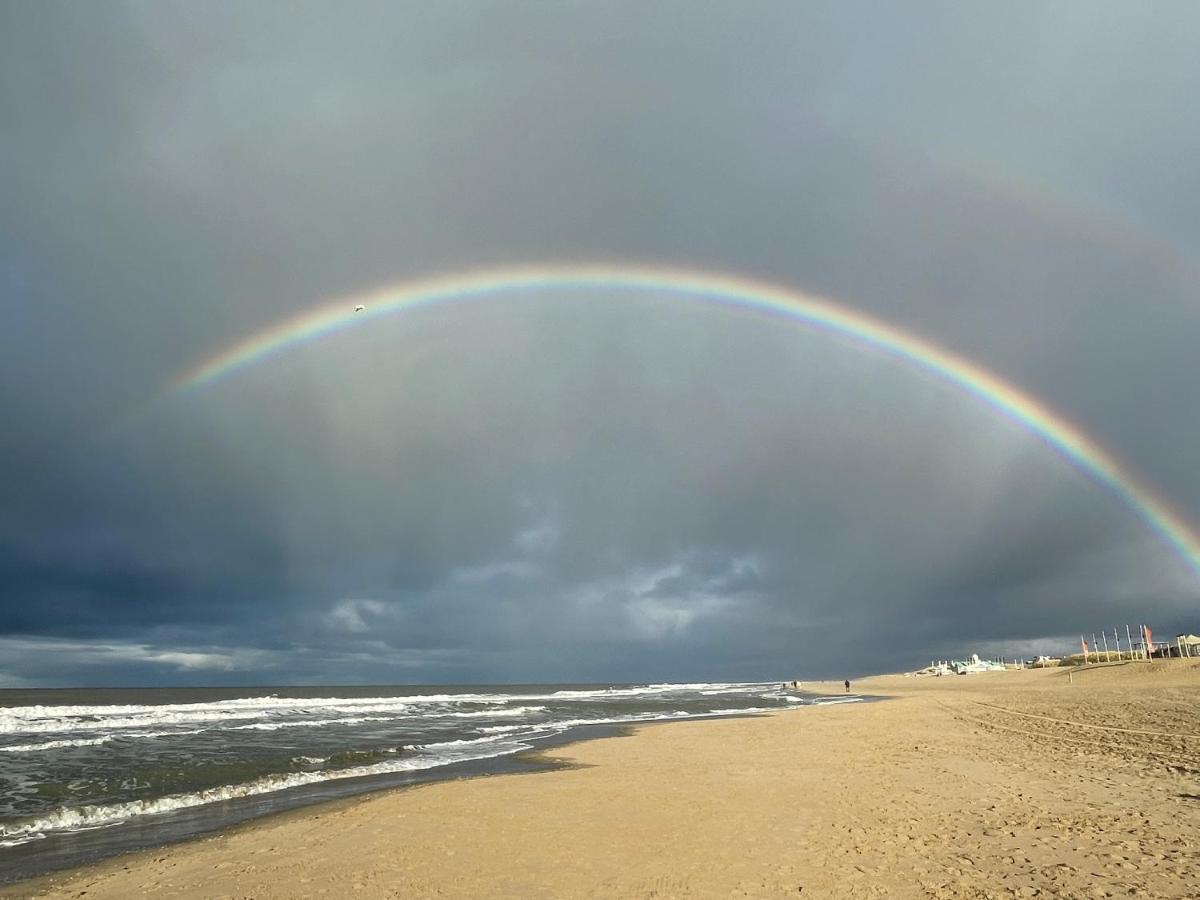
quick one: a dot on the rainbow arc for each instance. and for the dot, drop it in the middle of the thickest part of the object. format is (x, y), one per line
(1056, 431)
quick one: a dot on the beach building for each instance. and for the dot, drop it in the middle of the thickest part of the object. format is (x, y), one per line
(1187, 645)
(975, 665)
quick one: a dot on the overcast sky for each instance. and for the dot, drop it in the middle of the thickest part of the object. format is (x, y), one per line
(591, 486)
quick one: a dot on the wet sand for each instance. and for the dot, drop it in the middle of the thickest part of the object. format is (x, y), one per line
(1014, 784)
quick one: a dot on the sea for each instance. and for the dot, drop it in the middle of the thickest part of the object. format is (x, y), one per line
(85, 774)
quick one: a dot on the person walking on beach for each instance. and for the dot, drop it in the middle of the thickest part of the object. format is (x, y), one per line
(847, 685)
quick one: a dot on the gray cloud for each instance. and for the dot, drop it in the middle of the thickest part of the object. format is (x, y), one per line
(594, 486)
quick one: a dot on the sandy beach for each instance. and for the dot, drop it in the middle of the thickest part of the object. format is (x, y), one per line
(1014, 784)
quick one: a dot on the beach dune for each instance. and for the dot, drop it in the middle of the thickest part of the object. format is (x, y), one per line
(1013, 784)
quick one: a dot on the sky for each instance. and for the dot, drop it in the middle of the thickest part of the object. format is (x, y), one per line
(587, 485)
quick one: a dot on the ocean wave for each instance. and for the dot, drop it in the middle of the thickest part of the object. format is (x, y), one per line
(103, 739)
(509, 729)
(48, 719)
(495, 713)
(561, 725)
(442, 745)
(642, 690)
(55, 745)
(309, 723)
(60, 723)
(80, 718)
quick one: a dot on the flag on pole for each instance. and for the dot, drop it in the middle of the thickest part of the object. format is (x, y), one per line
(1149, 641)
(1083, 643)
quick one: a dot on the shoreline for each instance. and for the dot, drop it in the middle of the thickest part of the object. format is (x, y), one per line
(347, 792)
(88, 848)
(551, 756)
(1002, 785)
(526, 762)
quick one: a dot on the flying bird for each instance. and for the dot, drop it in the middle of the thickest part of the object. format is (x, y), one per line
(359, 308)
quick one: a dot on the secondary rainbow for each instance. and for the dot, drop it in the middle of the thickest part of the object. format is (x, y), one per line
(735, 291)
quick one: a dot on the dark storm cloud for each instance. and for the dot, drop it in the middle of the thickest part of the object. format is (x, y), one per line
(597, 487)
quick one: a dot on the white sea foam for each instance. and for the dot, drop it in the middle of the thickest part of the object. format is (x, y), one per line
(55, 745)
(308, 723)
(52, 723)
(90, 742)
(740, 688)
(465, 742)
(506, 729)
(48, 719)
(24, 839)
(653, 689)
(563, 724)
(495, 713)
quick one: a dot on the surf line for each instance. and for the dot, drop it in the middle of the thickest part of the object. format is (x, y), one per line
(735, 291)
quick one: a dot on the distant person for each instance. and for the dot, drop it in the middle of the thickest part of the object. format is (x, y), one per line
(847, 685)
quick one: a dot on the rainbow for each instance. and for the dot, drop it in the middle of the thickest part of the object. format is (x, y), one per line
(1058, 433)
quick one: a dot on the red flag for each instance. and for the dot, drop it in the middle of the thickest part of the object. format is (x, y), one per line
(1084, 643)
(1149, 642)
